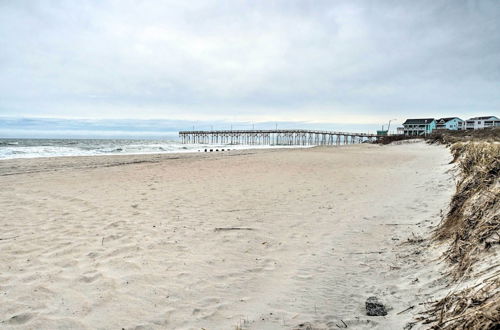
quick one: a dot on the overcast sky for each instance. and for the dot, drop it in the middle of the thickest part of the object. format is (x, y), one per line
(353, 62)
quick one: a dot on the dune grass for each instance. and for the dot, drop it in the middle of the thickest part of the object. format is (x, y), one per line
(471, 229)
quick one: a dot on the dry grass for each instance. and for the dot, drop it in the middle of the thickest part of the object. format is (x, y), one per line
(473, 221)
(450, 137)
(472, 229)
(394, 138)
(473, 308)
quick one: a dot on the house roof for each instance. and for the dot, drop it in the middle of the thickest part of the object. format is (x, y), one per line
(418, 121)
(484, 118)
(447, 119)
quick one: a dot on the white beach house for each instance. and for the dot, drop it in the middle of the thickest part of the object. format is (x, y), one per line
(482, 122)
(450, 123)
(420, 126)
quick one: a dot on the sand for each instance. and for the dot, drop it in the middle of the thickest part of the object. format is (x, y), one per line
(142, 242)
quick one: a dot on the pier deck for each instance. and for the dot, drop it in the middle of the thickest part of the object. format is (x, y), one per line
(299, 137)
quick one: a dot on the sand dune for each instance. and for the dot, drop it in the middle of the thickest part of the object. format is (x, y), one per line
(139, 242)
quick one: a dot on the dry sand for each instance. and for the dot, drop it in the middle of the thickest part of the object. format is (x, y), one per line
(132, 241)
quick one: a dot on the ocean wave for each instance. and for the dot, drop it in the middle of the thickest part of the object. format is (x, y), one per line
(34, 148)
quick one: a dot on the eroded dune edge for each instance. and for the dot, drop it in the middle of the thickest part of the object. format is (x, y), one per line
(470, 231)
(281, 239)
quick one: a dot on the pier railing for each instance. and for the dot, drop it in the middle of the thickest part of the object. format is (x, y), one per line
(299, 137)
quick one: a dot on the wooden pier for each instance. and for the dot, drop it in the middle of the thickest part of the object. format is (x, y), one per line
(298, 137)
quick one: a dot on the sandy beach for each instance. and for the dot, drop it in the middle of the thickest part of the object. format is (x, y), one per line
(268, 239)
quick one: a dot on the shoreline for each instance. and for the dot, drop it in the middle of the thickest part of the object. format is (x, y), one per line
(117, 149)
(137, 246)
(96, 161)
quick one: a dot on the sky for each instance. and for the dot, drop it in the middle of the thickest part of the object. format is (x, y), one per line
(68, 65)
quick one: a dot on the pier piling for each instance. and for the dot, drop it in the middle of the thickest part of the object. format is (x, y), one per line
(297, 137)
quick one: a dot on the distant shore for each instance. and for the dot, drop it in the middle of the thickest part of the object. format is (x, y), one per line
(253, 239)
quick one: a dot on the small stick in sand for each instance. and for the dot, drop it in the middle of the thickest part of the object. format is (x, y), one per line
(4, 238)
(411, 307)
(400, 224)
(371, 252)
(338, 326)
(232, 228)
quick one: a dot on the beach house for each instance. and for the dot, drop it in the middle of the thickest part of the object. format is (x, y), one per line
(482, 122)
(450, 123)
(420, 126)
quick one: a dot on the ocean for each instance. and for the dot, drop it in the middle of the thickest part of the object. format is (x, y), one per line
(32, 148)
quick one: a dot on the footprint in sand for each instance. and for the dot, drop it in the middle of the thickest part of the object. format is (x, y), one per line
(89, 278)
(21, 318)
(115, 224)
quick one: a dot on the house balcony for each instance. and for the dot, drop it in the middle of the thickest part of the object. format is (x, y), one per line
(414, 132)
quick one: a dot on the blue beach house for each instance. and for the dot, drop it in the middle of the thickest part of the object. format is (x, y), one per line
(450, 123)
(420, 126)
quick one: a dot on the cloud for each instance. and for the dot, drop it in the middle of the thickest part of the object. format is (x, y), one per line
(18, 127)
(323, 61)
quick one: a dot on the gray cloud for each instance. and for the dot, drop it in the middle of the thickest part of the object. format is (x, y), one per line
(336, 61)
